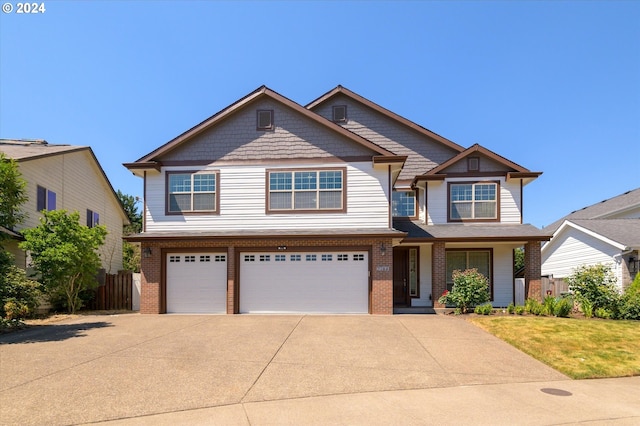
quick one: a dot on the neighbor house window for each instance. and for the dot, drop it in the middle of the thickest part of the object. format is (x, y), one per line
(403, 203)
(473, 201)
(460, 260)
(265, 120)
(306, 190)
(93, 218)
(46, 200)
(339, 113)
(192, 192)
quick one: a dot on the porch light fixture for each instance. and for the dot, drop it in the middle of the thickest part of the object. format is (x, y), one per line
(147, 252)
(383, 249)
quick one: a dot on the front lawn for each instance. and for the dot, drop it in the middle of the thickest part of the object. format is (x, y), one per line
(581, 349)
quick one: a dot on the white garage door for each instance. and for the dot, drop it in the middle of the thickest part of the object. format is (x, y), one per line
(196, 283)
(316, 282)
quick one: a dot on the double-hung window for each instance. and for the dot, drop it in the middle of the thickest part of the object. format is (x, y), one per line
(403, 203)
(93, 218)
(306, 190)
(460, 260)
(192, 192)
(473, 201)
(46, 199)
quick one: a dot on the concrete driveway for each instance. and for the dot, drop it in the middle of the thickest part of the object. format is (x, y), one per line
(196, 369)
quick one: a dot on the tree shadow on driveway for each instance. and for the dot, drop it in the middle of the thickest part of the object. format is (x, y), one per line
(51, 333)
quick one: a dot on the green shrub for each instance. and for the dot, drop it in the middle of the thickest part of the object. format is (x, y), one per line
(596, 284)
(586, 307)
(485, 309)
(629, 304)
(20, 294)
(470, 288)
(603, 313)
(520, 310)
(549, 305)
(534, 307)
(563, 307)
(511, 308)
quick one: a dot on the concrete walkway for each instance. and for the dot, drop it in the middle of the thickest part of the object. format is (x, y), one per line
(182, 369)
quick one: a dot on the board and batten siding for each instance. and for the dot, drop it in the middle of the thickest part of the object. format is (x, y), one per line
(243, 202)
(572, 248)
(79, 185)
(510, 200)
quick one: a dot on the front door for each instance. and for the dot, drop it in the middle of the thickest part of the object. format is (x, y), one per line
(400, 277)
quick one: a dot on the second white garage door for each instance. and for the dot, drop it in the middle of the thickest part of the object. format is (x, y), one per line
(304, 282)
(196, 283)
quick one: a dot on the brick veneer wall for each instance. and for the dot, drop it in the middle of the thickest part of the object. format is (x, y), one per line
(381, 266)
(533, 270)
(438, 272)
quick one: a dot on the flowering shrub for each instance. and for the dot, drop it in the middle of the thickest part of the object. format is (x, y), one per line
(470, 288)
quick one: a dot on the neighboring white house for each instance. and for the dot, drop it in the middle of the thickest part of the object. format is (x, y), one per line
(67, 177)
(604, 233)
(339, 206)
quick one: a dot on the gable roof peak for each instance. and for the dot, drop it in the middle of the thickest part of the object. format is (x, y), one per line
(339, 89)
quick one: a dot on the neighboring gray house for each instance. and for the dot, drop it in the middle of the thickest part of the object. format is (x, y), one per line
(607, 232)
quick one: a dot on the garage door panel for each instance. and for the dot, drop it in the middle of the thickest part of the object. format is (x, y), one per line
(316, 282)
(196, 283)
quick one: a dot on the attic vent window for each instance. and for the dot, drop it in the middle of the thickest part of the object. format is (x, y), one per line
(473, 164)
(265, 119)
(340, 113)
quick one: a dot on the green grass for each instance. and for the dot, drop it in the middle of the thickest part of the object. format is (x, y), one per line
(581, 349)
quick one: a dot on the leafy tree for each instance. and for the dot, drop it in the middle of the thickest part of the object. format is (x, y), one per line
(131, 252)
(12, 193)
(131, 209)
(594, 286)
(518, 258)
(65, 254)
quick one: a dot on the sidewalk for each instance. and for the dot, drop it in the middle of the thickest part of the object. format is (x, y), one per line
(568, 402)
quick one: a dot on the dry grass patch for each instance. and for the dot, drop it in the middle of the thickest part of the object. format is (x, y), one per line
(581, 349)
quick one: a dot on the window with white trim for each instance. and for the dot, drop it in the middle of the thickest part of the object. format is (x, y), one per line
(192, 192)
(403, 203)
(306, 190)
(473, 201)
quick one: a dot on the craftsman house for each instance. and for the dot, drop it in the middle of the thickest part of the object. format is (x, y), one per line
(339, 206)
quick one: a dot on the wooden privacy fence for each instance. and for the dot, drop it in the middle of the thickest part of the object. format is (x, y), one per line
(553, 287)
(115, 293)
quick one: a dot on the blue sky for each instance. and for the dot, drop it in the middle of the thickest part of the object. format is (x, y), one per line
(553, 86)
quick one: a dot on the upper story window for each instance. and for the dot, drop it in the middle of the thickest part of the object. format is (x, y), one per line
(473, 201)
(339, 113)
(93, 218)
(306, 191)
(265, 119)
(403, 203)
(192, 192)
(46, 199)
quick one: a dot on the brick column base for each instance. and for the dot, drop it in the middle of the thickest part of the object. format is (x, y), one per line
(533, 270)
(438, 272)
